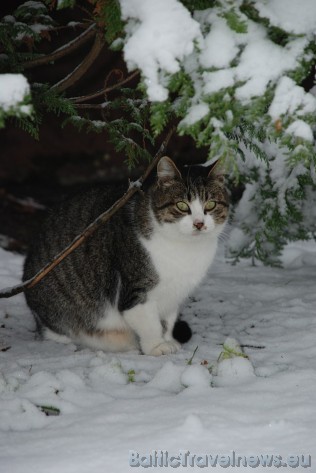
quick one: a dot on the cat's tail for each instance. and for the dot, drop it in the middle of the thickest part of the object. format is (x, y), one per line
(182, 331)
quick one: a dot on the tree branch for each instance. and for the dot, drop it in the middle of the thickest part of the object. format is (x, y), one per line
(89, 231)
(104, 91)
(82, 68)
(63, 50)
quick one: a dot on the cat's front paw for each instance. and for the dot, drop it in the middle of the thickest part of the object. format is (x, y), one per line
(165, 348)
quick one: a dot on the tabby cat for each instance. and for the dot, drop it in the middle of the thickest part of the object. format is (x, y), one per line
(122, 288)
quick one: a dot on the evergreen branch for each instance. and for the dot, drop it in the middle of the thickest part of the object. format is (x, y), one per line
(63, 50)
(91, 229)
(82, 68)
(104, 91)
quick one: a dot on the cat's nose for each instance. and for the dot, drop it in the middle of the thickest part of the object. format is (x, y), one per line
(198, 224)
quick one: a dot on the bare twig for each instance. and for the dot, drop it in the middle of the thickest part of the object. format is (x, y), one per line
(105, 90)
(96, 106)
(82, 68)
(63, 50)
(255, 347)
(100, 220)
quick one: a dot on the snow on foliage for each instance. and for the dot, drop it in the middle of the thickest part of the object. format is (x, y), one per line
(160, 34)
(259, 60)
(290, 15)
(300, 129)
(14, 96)
(238, 81)
(290, 99)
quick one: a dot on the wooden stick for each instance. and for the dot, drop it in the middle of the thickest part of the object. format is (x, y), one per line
(88, 231)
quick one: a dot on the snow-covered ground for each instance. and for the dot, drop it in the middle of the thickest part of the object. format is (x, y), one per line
(111, 404)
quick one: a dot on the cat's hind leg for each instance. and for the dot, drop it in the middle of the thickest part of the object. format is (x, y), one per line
(109, 340)
(112, 340)
(111, 333)
(48, 334)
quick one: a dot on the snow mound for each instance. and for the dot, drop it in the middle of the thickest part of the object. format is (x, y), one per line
(107, 372)
(193, 425)
(293, 255)
(233, 366)
(168, 378)
(233, 371)
(196, 376)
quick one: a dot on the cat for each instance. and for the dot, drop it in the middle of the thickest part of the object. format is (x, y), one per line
(122, 288)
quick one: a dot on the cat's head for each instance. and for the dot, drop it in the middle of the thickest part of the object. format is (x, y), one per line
(194, 203)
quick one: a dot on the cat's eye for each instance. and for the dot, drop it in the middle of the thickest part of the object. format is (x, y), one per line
(183, 206)
(210, 205)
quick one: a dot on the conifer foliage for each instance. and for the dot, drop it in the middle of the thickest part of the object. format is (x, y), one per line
(236, 76)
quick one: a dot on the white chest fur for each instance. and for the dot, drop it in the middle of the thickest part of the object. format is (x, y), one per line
(181, 264)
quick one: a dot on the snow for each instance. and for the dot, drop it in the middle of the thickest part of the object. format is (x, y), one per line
(195, 113)
(161, 37)
(217, 80)
(33, 4)
(196, 376)
(160, 34)
(8, 19)
(300, 129)
(220, 46)
(262, 62)
(113, 404)
(290, 15)
(290, 98)
(38, 28)
(233, 371)
(13, 90)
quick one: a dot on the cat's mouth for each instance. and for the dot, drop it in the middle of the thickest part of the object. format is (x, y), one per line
(199, 231)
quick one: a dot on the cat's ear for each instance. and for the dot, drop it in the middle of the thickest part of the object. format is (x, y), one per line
(167, 171)
(217, 172)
